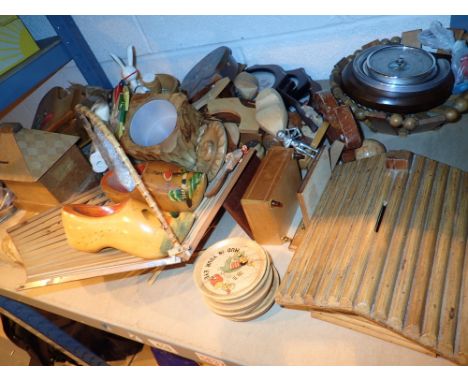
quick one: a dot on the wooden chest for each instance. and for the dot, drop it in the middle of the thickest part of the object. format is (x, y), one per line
(270, 202)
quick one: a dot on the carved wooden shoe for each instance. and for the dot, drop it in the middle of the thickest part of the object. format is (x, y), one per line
(129, 226)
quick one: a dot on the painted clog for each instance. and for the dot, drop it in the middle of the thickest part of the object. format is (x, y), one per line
(129, 226)
(173, 188)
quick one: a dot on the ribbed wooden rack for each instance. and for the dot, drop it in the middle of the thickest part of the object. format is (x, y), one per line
(48, 259)
(407, 282)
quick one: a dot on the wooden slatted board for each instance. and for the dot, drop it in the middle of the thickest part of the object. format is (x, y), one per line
(48, 259)
(411, 276)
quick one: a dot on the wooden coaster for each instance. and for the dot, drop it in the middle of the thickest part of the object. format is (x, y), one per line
(250, 294)
(247, 305)
(256, 311)
(265, 306)
(230, 269)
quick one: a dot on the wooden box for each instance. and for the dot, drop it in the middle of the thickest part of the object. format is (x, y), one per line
(270, 202)
(42, 169)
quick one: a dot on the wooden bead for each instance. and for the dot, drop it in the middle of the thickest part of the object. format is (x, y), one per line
(348, 101)
(461, 105)
(395, 120)
(410, 123)
(395, 40)
(357, 52)
(402, 132)
(451, 114)
(360, 114)
(337, 92)
(385, 41)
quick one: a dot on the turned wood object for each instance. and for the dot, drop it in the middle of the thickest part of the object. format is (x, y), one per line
(162, 127)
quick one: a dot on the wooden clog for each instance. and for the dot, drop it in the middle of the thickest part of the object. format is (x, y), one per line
(173, 188)
(129, 226)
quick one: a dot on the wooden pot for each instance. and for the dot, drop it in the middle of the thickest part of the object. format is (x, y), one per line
(173, 188)
(162, 127)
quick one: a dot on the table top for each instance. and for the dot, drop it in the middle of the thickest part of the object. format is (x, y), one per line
(170, 314)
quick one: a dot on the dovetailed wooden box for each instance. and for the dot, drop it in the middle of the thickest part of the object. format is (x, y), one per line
(270, 202)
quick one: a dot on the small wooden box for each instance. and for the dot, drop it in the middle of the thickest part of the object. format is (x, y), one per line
(270, 202)
(42, 169)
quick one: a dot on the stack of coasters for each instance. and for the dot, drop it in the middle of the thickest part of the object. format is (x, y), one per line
(237, 279)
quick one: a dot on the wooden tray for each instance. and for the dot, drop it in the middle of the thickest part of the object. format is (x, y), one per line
(48, 258)
(411, 275)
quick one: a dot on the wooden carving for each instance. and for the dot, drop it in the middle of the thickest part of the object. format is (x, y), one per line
(232, 110)
(180, 146)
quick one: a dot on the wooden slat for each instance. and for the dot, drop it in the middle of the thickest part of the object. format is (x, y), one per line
(322, 248)
(389, 273)
(365, 297)
(462, 330)
(44, 240)
(430, 327)
(27, 225)
(299, 262)
(364, 247)
(400, 293)
(32, 237)
(417, 299)
(368, 327)
(449, 313)
(363, 206)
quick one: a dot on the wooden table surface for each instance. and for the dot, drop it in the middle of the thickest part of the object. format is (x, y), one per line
(171, 314)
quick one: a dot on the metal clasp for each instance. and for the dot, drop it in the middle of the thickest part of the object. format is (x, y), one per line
(290, 138)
